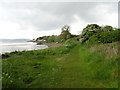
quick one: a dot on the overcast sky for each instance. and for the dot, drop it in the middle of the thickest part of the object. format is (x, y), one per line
(34, 19)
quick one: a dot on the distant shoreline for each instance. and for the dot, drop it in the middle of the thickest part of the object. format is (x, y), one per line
(25, 46)
(20, 47)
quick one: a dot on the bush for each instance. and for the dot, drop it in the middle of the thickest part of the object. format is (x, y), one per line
(51, 39)
(70, 43)
(96, 34)
(105, 37)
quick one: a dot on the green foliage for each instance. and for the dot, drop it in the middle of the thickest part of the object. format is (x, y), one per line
(51, 39)
(91, 27)
(96, 34)
(65, 34)
(106, 37)
(107, 28)
(70, 43)
(88, 31)
(57, 39)
(101, 68)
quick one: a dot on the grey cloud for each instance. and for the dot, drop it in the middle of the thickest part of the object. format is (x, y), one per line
(47, 16)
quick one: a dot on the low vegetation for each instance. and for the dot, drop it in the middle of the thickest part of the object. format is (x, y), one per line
(65, 35)
(86, 61)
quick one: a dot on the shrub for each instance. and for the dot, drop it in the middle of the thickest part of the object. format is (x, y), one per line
(96, 34)
(70, 43)
(106, 37)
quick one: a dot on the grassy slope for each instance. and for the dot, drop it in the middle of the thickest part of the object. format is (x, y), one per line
(77, 68)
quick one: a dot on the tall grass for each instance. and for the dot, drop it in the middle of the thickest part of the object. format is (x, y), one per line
(103, 69)
(71, 65)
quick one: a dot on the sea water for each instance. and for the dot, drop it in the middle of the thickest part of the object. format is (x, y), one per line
(10, 45)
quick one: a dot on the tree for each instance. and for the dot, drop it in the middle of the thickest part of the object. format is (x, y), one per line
(65, 34)
(88, 31)
(107, 28)
(92, 28)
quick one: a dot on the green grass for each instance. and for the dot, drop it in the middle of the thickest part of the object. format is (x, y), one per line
(63, 67)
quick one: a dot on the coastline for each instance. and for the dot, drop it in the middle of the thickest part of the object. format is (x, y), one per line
(20, 47)
(48, 45)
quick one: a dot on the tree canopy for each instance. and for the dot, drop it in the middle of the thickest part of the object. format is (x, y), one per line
(65, 33)
(100, 34)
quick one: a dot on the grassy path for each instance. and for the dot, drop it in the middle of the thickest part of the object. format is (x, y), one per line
(79, 72)
(70, 71)
(75, 73)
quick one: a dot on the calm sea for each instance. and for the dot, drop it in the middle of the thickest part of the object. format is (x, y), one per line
(10, 45)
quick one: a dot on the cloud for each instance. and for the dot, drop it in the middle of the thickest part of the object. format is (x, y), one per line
(105, 14)
(49, 17)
